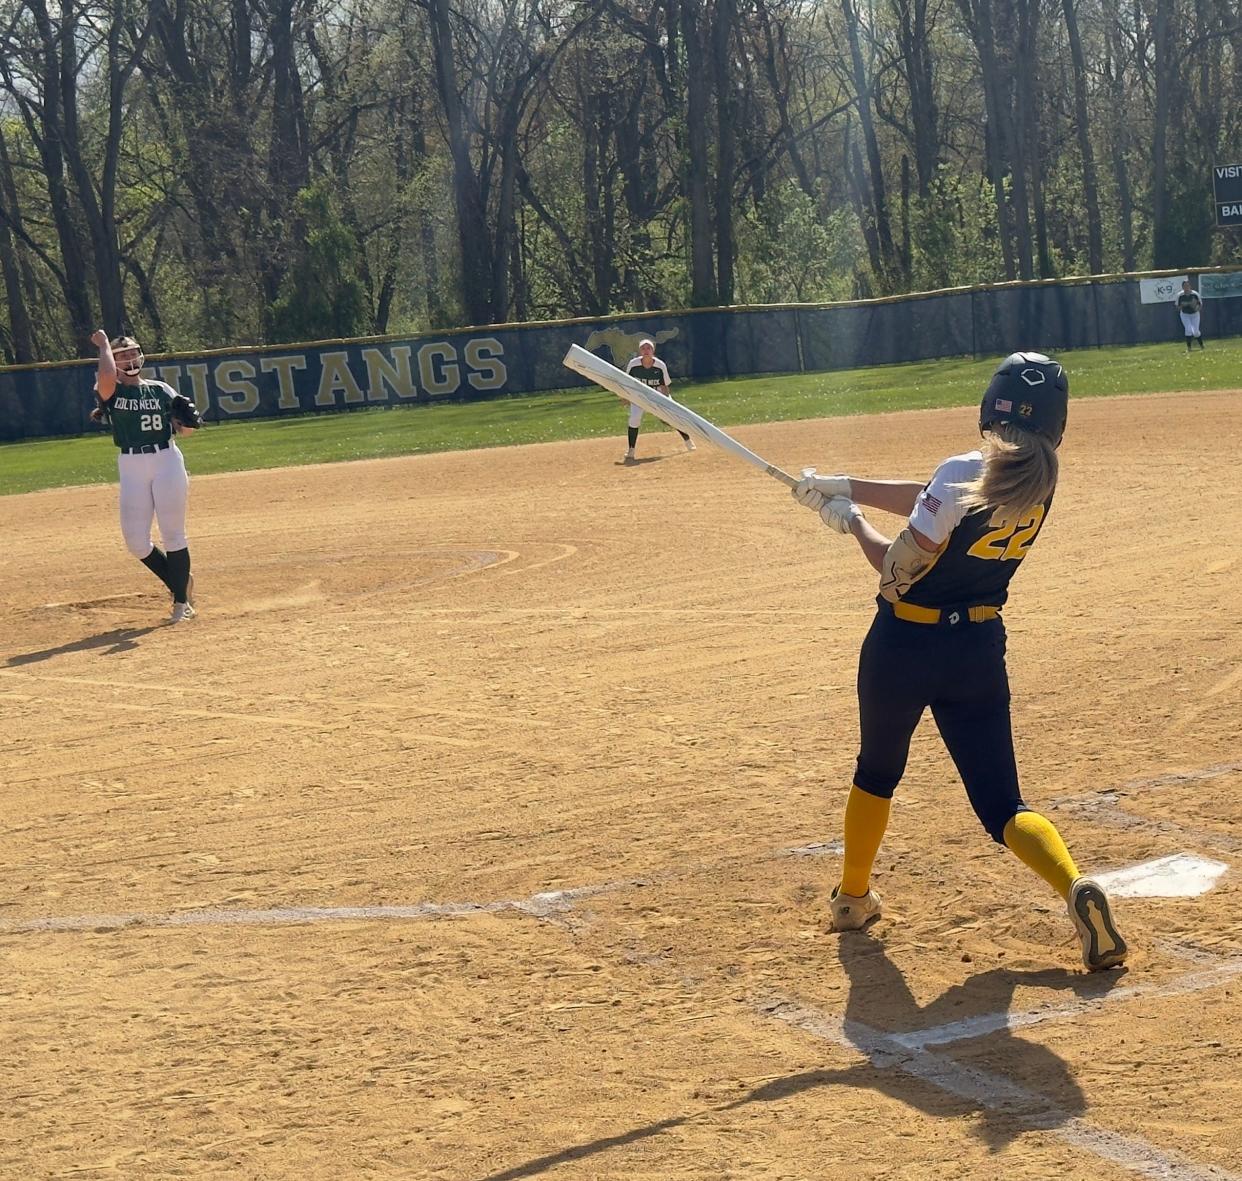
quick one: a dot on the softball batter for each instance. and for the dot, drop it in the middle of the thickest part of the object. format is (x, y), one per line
(938, 641)
(1189, 308)
(143, 416)
(650, 370)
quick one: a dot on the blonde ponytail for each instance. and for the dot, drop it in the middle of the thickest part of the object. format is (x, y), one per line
(1019, 471)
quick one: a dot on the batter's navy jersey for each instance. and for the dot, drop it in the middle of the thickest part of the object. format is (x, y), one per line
(981, 549)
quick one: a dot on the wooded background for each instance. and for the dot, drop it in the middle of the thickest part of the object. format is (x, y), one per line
(211, 173)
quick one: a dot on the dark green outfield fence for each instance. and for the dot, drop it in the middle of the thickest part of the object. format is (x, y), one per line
(463, 364)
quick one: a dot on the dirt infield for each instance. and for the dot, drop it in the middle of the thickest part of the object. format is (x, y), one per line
(480, 827)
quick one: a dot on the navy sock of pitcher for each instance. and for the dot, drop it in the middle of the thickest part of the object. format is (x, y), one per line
(633, 435)
(179, 572)
(157, 562)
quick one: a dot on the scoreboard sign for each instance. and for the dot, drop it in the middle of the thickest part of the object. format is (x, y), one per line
(1227, 189)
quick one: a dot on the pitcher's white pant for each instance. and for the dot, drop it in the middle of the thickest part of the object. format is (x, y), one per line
(1190, 321)
(153, 485)
(636, 414)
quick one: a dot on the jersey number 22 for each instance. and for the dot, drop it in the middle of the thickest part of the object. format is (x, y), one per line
(1011, 538)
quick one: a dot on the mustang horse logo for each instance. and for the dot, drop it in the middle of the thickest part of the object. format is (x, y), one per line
(624, 345)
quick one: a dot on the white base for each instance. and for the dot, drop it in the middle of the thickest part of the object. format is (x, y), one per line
(1180, 875)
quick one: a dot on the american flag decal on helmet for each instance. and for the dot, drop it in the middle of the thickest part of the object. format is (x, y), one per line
(1004, 404)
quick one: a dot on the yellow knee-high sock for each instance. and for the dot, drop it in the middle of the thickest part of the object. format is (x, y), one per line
(866, 818)
(1036, 842)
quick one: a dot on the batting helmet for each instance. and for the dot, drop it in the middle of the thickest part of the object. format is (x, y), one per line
(1030, 391)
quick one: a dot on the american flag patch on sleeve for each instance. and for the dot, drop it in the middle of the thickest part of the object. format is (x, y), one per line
(933, 505)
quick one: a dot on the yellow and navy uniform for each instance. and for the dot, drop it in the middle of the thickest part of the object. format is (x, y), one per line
(932, 651)
(981, 549)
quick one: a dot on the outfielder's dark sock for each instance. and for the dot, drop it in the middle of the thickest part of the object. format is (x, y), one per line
(1189, 341)
(179, 573)
(633, 435)
(1201, 342)
(685, 438)
(157, 562)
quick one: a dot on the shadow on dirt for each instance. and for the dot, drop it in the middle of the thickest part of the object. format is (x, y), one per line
(117, 639)
(1011, 1086)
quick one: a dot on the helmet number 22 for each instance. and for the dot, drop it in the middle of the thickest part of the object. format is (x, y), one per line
(152, 422)
(1011, 537)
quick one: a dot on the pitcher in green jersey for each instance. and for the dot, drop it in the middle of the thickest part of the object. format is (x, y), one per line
(154, 482)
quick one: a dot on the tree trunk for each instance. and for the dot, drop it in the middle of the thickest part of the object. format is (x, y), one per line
(879, 196)
(21, 331)
(1090, 185)
(854, 177)
(702, 272)
(907, 260)
(913, 40)
(1119, 143)
(1026, 82)
(978, 16)
(472, 230)
(594, 147)
(1165, 66)
(48, 135)
(726, 144)
(773, 63)
(288, 165)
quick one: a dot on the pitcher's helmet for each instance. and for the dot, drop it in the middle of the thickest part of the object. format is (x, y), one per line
(134, 359)
(1029, 390)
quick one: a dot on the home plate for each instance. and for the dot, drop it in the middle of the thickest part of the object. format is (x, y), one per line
(1181, 875)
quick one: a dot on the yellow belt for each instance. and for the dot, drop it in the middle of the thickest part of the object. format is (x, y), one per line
(912, 613)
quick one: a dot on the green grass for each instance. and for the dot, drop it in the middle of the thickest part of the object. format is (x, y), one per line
(588, 413)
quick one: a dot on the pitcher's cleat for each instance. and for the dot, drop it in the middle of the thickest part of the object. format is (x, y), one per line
(181, 612)
(850, 913)
(629, 456)
(1089, 908)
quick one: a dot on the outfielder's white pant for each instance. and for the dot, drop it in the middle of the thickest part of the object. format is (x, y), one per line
(636, 414)
(153, 485)
(1190, 322)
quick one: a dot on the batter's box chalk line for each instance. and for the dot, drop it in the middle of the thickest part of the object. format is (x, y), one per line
(993, 1092)
(546, 904)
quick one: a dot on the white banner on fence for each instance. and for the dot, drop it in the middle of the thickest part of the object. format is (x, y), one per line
(1221, 286)
(1160, 290)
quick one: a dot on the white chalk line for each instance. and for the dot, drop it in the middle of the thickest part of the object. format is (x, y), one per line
(905, 1051)
(1176, 777)
(541, 905)
(1115, 816)
(995, 1093)
(545, 904)
(955, 1031)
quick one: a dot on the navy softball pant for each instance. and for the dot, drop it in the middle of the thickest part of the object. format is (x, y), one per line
(959, 673)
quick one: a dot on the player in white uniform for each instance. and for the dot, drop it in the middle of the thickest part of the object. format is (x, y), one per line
(1189, 307)
(650, 370)
(154, 482)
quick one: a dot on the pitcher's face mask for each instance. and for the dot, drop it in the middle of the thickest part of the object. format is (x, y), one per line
(129, 361)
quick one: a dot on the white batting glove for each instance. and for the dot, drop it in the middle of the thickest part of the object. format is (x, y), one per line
(803, 493)
(829, 485)
(839, 513)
